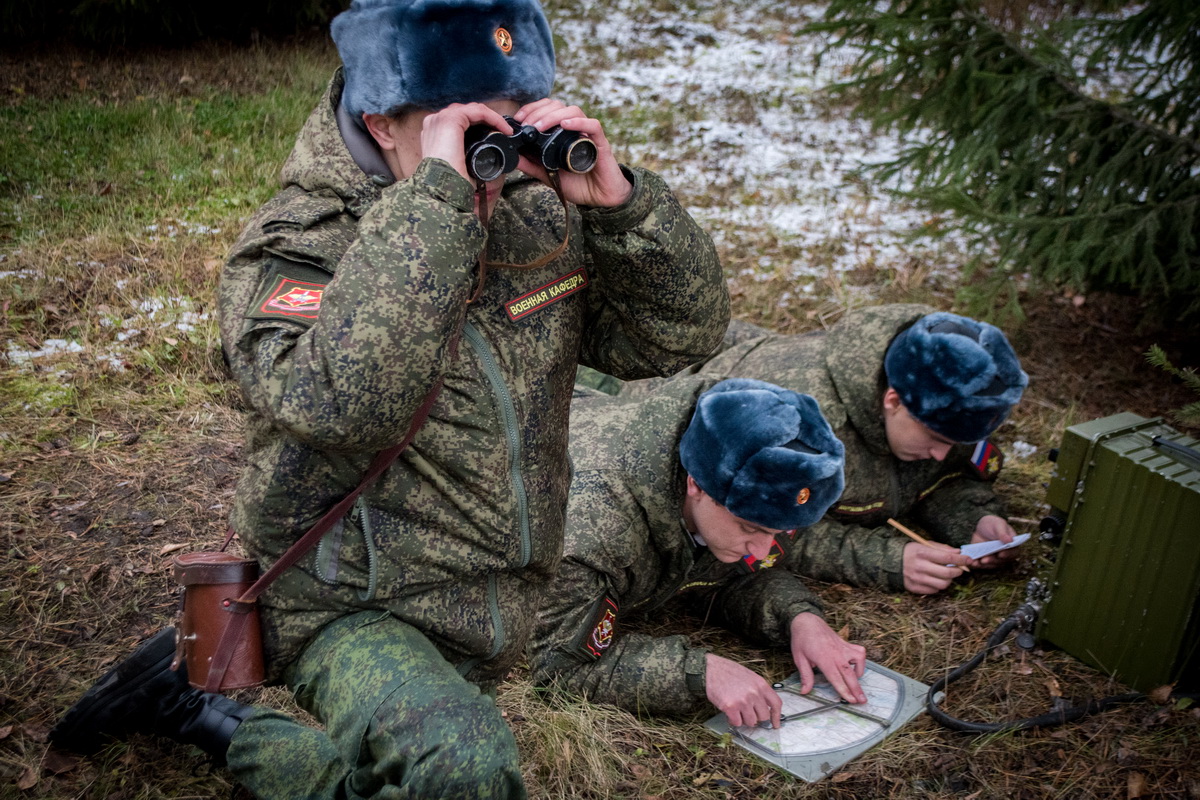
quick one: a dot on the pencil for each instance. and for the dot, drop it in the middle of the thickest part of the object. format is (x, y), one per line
(916, 537)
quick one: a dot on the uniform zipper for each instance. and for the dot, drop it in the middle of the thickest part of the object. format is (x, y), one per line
(508, 415)
(363, 517)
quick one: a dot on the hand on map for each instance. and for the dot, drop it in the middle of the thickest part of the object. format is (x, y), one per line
(743, 694)
(815, 645)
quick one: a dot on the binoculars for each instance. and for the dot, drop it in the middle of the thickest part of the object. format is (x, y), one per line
(491, 153)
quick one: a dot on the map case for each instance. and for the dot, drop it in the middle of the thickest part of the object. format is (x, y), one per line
(820, 732)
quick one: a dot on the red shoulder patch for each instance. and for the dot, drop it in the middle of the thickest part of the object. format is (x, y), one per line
(293, 298)
(602, 628)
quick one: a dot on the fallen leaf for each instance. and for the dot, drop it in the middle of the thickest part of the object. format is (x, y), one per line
(1161, 695)
(5, 731)
(38, 733)
(1053, 687)
(1136, 786)
(841, 777)
(171, 548)
(158, 523)
(1078, 300)
(28, 779)
(57, 763)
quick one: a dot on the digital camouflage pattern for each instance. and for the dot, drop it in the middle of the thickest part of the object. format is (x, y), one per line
(460, 535)
(407, 726)
(843, 370)
(627, 552)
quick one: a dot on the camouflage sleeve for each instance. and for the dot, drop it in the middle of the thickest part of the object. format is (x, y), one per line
(761, 606)
(741, 331)
(658, 299)
(846, 553)
(950, 514)
(579, 646)
(579, 643)
(352, 377)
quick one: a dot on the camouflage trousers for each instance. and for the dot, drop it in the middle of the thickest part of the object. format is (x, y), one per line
(400, 722)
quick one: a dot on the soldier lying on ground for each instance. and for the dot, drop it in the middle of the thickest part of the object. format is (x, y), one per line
(694, 494)
(913, 394)
(339, 307)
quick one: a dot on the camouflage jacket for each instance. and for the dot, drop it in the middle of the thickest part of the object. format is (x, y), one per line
(627, 553)
(843, 369)
(338, 307)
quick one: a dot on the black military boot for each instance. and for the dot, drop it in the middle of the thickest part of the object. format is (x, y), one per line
(142, 694)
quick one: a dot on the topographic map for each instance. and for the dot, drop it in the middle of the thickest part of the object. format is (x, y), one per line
(820, 732)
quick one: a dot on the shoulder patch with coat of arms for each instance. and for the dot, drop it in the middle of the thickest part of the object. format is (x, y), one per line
(293, 291)
(601, 626)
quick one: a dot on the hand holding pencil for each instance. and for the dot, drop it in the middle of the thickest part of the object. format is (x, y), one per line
(930, 567)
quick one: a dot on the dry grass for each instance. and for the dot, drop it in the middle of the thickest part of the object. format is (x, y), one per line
(100, 485)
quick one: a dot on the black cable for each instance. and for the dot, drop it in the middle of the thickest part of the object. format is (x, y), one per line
(1022, 617)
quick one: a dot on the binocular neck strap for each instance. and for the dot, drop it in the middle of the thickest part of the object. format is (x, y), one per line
(485, 264)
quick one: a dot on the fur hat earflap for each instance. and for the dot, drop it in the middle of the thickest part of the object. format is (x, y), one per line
(955, 375)
(401, 54)
(764, 453)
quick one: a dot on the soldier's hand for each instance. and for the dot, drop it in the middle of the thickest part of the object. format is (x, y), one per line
(930, 568)
(743, 694)
(605, 186)
(994, 529)
(815, 644)
(443, 132)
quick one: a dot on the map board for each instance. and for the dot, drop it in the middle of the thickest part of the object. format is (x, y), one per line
(820, 733)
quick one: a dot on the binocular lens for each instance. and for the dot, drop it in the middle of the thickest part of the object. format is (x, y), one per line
(581, 156)
(486, 162)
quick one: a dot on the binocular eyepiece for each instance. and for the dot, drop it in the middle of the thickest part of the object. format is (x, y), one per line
(491, 153)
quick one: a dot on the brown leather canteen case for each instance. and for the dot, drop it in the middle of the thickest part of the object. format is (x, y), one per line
(211, 580)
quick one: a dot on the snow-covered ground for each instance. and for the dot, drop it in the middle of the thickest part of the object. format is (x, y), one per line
(725, 101)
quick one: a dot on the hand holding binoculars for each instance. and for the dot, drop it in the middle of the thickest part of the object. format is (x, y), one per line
(491, 153)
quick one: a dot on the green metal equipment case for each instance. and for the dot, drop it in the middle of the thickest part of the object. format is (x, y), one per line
(1124, 592)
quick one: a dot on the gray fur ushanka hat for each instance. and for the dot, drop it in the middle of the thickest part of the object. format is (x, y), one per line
(955, 375)
(764, 453)
(401, 54)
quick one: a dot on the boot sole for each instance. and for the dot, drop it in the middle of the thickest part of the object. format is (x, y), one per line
(82, 728)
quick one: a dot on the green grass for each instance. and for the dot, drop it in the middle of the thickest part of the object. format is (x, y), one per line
(87, 166)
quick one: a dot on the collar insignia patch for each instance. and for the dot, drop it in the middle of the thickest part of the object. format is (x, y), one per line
(543, 296)
(503, 40)
(293, 298)
(777, 551)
